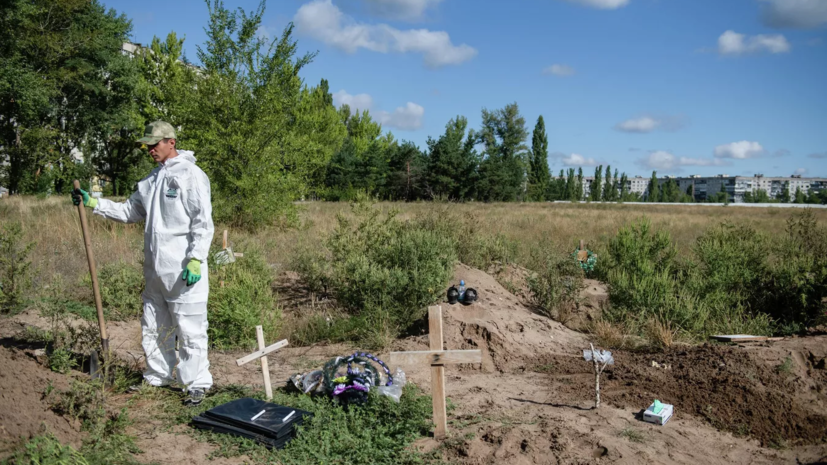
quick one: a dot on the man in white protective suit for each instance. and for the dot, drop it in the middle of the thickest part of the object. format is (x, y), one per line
(174, 202)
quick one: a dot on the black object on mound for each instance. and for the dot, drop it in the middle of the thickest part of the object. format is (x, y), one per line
(470, 296)
(453, 295)
(236, 418)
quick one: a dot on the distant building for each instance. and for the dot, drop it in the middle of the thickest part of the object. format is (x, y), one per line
(737, 187)
(705, 187)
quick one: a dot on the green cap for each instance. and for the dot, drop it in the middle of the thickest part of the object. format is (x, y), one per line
(156, 131)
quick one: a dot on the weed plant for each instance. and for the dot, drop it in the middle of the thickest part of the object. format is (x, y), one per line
(245, 300)
(15, 267)
(378, 432)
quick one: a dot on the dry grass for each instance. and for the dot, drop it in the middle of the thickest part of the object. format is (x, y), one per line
(661, 335)
(610, 335)
(54, 225)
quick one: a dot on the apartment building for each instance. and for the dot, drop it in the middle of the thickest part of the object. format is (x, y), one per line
(737, 186)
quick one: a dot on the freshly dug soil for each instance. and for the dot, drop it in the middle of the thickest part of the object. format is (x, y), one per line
(22, 412)
(722, 385)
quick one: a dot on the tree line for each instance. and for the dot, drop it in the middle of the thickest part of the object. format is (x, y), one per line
(68, 91)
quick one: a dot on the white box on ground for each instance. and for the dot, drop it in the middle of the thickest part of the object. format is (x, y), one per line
(659, 418)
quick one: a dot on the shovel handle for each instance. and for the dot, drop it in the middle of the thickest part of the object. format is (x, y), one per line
(90, 256)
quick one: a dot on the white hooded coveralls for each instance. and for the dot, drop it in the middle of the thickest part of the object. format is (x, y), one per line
(174, 200)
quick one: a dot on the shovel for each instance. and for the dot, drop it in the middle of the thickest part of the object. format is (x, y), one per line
(87, 240)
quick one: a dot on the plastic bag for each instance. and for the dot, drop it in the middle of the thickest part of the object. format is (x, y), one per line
(312, 381)
(394, 391)
(602, 356)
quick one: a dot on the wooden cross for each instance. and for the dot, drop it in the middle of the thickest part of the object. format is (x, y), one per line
(261, 353)
(437, 359)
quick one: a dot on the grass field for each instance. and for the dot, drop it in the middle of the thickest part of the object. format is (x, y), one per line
(54, 226)
(706, 279)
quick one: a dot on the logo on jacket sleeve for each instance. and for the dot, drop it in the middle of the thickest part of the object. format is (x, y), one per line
(172, 193)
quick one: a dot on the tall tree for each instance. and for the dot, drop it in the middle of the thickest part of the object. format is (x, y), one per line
(624, 188)
(539, 176)
(62, 77)
(407, 172)
(799, 196)
(784, 196)
(652, 191)
(580, 194)
(253, 120)
(557, 187)
(608, 185)
(596, 186)
(571, 186)
(503, 167)
(452, 162)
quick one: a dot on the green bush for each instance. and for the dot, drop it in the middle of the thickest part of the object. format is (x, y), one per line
(46, 450)
(15, 267)
(62, 360)
(720, 292)
(387, 271)
(475, 246)
(378, 432)
(107, 442)
(313, 264)
(121, 286)
(556, 283)
(795, 290)
(245, 301)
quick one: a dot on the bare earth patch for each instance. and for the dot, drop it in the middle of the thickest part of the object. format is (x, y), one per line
(530, 400)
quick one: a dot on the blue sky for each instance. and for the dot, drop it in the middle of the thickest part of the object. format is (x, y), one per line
(680, 86)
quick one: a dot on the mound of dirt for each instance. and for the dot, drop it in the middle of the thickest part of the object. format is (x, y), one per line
(510, 336)
(22, 412)
(722, 385)
(593, 297)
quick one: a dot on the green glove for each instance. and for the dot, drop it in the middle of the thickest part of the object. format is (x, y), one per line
(192, 273)
(79, 195)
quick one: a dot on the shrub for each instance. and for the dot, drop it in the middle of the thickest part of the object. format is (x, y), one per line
(62, 360)
(313, 264)
(245, 301)
(721, 292)
(121, 286)
(378, 432)
(795, 290)
(475, 245)
(15, 267)
(47, 450)
(556, 285)
(387, 271)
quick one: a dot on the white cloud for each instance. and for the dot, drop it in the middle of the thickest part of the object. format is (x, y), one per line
(733, 43)
(801, 171)
(356, 102)
(795, 14)
(818, 155)
(739, 150)
(646, 124)
(576, 159)
(666, 161)
(322, 20)
(406, 10)
(781, 153)
(407, 118)
(559, 70)
(602, 4)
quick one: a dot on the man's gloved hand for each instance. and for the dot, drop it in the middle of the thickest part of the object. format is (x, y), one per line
(192, 272)
(79, 195)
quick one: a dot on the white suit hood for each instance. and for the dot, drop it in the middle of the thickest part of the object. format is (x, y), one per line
(174, 200)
